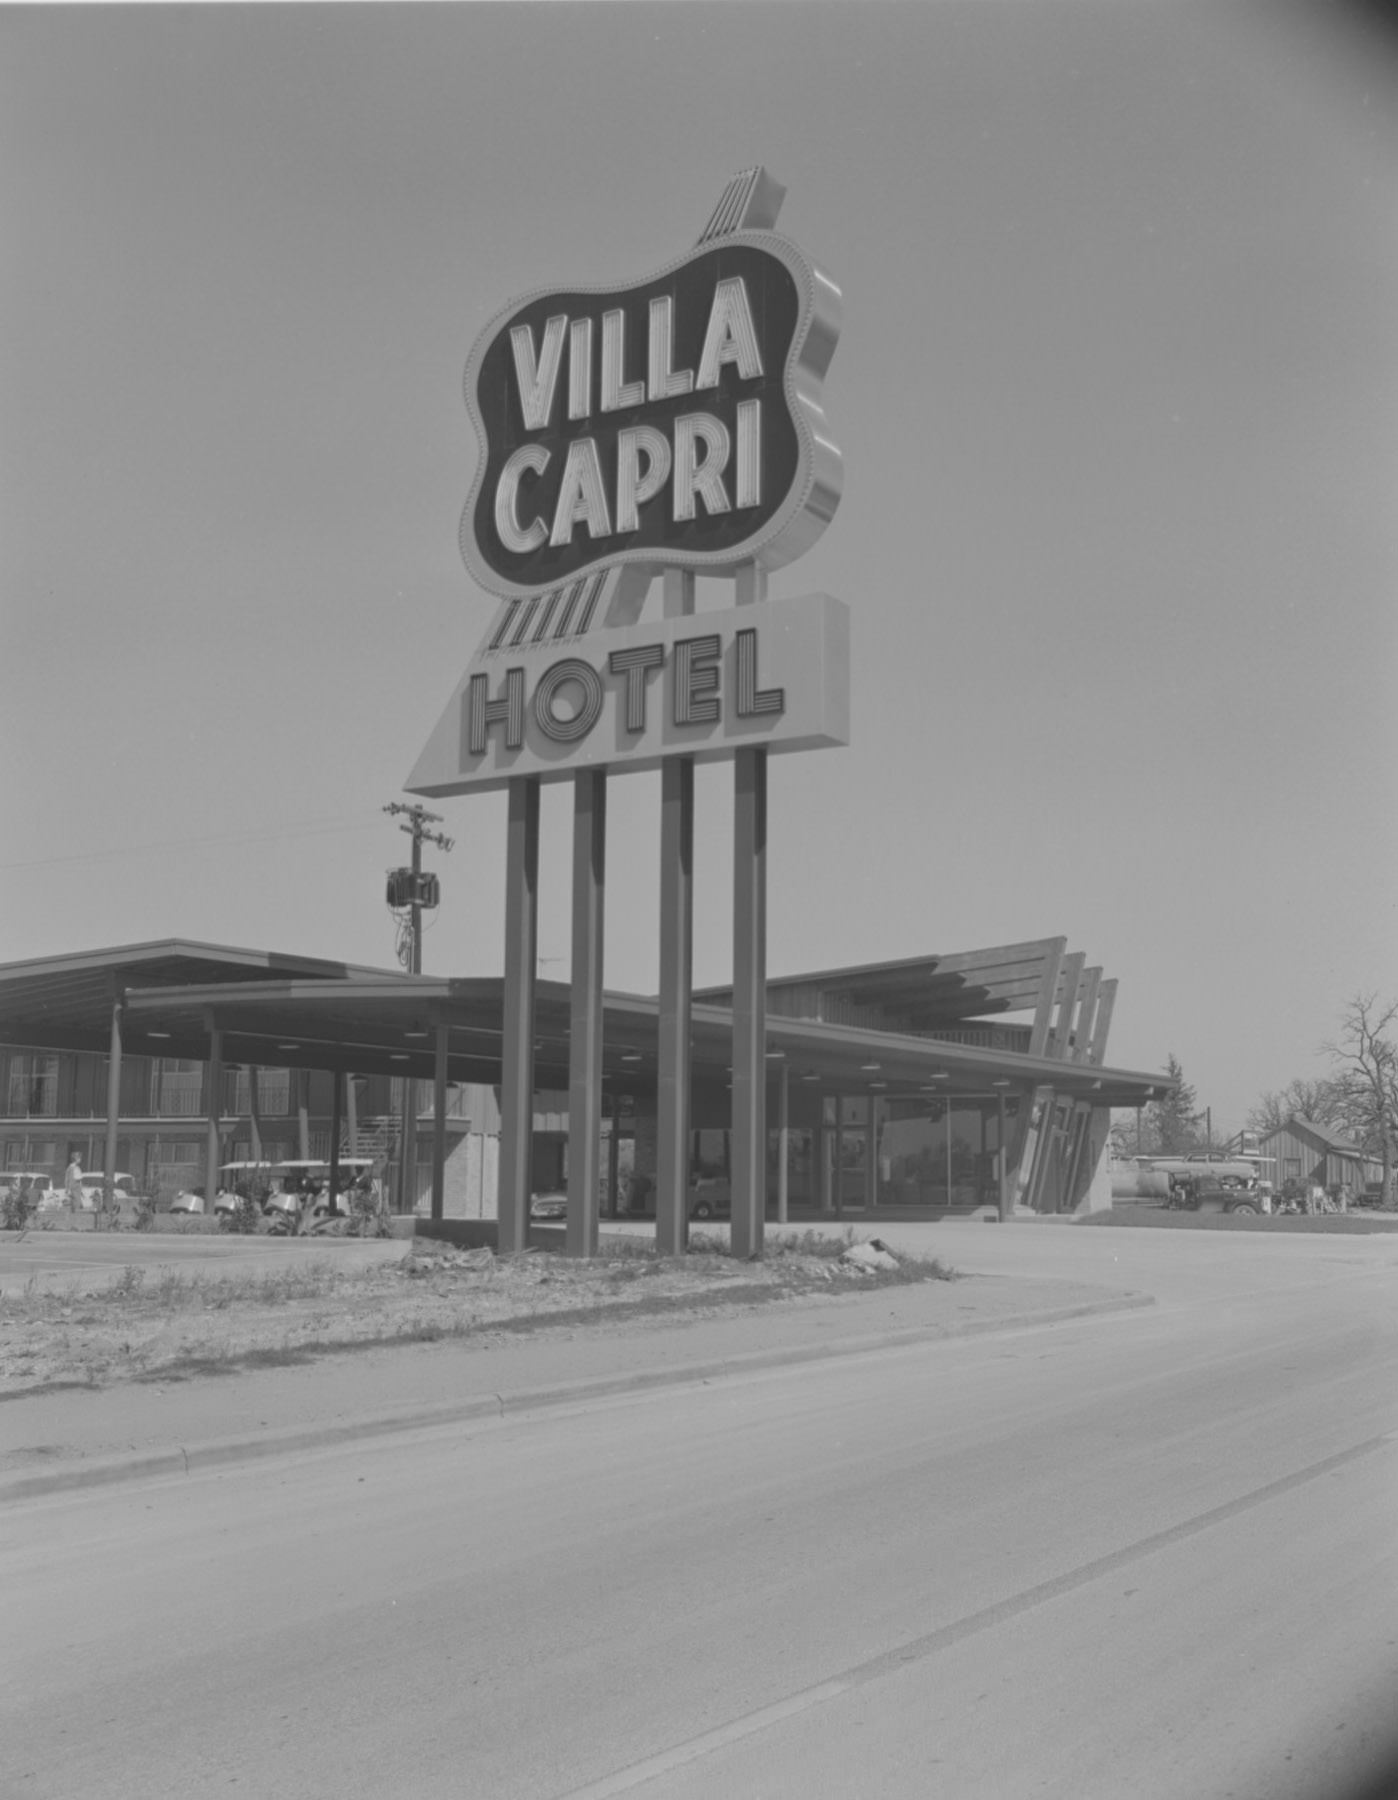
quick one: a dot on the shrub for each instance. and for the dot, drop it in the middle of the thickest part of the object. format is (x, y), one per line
(245, 1217)
(17, 1207)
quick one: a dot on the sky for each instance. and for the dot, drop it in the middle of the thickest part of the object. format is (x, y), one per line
(1117, 394)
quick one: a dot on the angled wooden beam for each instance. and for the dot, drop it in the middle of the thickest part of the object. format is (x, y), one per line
(1054, 952)
(1106, 1000)
(1069, 983)
(1087, 1014)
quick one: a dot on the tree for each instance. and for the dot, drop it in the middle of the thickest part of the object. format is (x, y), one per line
(1176, 1118)
(1320, 1101)
(1366, 1060)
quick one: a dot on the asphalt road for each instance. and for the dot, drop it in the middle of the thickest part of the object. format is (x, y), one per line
(1150, 1554)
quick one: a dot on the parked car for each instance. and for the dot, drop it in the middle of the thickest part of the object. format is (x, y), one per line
(549, 1206)
(1199, 1194)
(18, 1179)
(710, 1198)
(124, 1187)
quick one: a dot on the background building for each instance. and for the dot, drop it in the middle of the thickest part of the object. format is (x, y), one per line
(938, 1084)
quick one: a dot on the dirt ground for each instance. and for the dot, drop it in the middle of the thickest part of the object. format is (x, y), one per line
(175, 1325)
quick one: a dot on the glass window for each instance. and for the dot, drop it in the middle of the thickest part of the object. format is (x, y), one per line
(177, 1087)
(33, 1086)
(273, 1092)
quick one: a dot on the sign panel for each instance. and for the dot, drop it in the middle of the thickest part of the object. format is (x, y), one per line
(701, 685)
(673, 421)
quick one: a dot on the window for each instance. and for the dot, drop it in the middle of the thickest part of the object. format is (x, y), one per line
(33, 1086)
(177, 1087)
(273, 1093)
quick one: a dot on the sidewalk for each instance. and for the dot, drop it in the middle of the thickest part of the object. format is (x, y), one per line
(79, 1437)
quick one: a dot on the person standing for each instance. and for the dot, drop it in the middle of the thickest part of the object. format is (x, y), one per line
(73, 1182)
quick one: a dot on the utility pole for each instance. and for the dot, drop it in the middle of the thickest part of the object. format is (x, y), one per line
(415, 822)
(412, 888)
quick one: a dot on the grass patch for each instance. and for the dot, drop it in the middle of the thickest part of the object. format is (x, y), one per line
(1162, 1218)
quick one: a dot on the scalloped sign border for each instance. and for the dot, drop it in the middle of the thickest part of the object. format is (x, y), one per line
(673, 422)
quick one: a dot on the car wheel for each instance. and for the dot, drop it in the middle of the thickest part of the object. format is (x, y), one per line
(1246, 1207)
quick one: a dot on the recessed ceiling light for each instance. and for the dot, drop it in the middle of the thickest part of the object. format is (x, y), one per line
(810, 1075)
(398, 1056)
(1001, 1081)
(288, 1046)
(159, 1034)
(775, 1053)
(875, 1086)
(866, 1067)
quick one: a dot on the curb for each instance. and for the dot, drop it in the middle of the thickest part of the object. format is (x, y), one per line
(221, 1453)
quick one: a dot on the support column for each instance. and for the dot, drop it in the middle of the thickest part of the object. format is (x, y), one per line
(1001, 1163)
(613, 1158)
(676, 971)
(749, 974)
(337, 1107)
(213, 1108)
(439, 1123)
(109, 1155)
(254, 1114)
(407, 1182)
(784, 1145)
(586, 1012)
(351, 1117)
(676, 987)
(871, 1152)
(303, 1114)
(517, 1057)
(749, 1002)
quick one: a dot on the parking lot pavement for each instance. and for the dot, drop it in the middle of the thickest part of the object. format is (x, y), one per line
(83, 1260)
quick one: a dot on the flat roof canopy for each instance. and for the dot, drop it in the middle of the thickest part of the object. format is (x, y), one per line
(932, 991)
(300, 1012)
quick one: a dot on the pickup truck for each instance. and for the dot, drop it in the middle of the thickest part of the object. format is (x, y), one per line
(1201, 1193)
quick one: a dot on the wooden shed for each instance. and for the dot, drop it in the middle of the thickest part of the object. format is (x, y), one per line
(1305, 1151)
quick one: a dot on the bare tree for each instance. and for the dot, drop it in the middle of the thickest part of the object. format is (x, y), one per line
(1366, 1057)
(1321, 1101)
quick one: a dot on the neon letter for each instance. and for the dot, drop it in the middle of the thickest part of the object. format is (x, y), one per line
(511, 534)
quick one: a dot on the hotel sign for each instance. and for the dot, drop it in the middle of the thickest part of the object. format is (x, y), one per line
(672, 422)
(702, 685)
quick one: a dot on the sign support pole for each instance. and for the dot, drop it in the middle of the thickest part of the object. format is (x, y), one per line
(585, 1022)
(517, 1059)
(749, 976)
(676, 971)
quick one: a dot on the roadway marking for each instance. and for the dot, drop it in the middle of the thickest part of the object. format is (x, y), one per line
(917, 1649)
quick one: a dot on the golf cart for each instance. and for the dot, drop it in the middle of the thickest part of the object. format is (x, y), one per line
(301, 1199)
